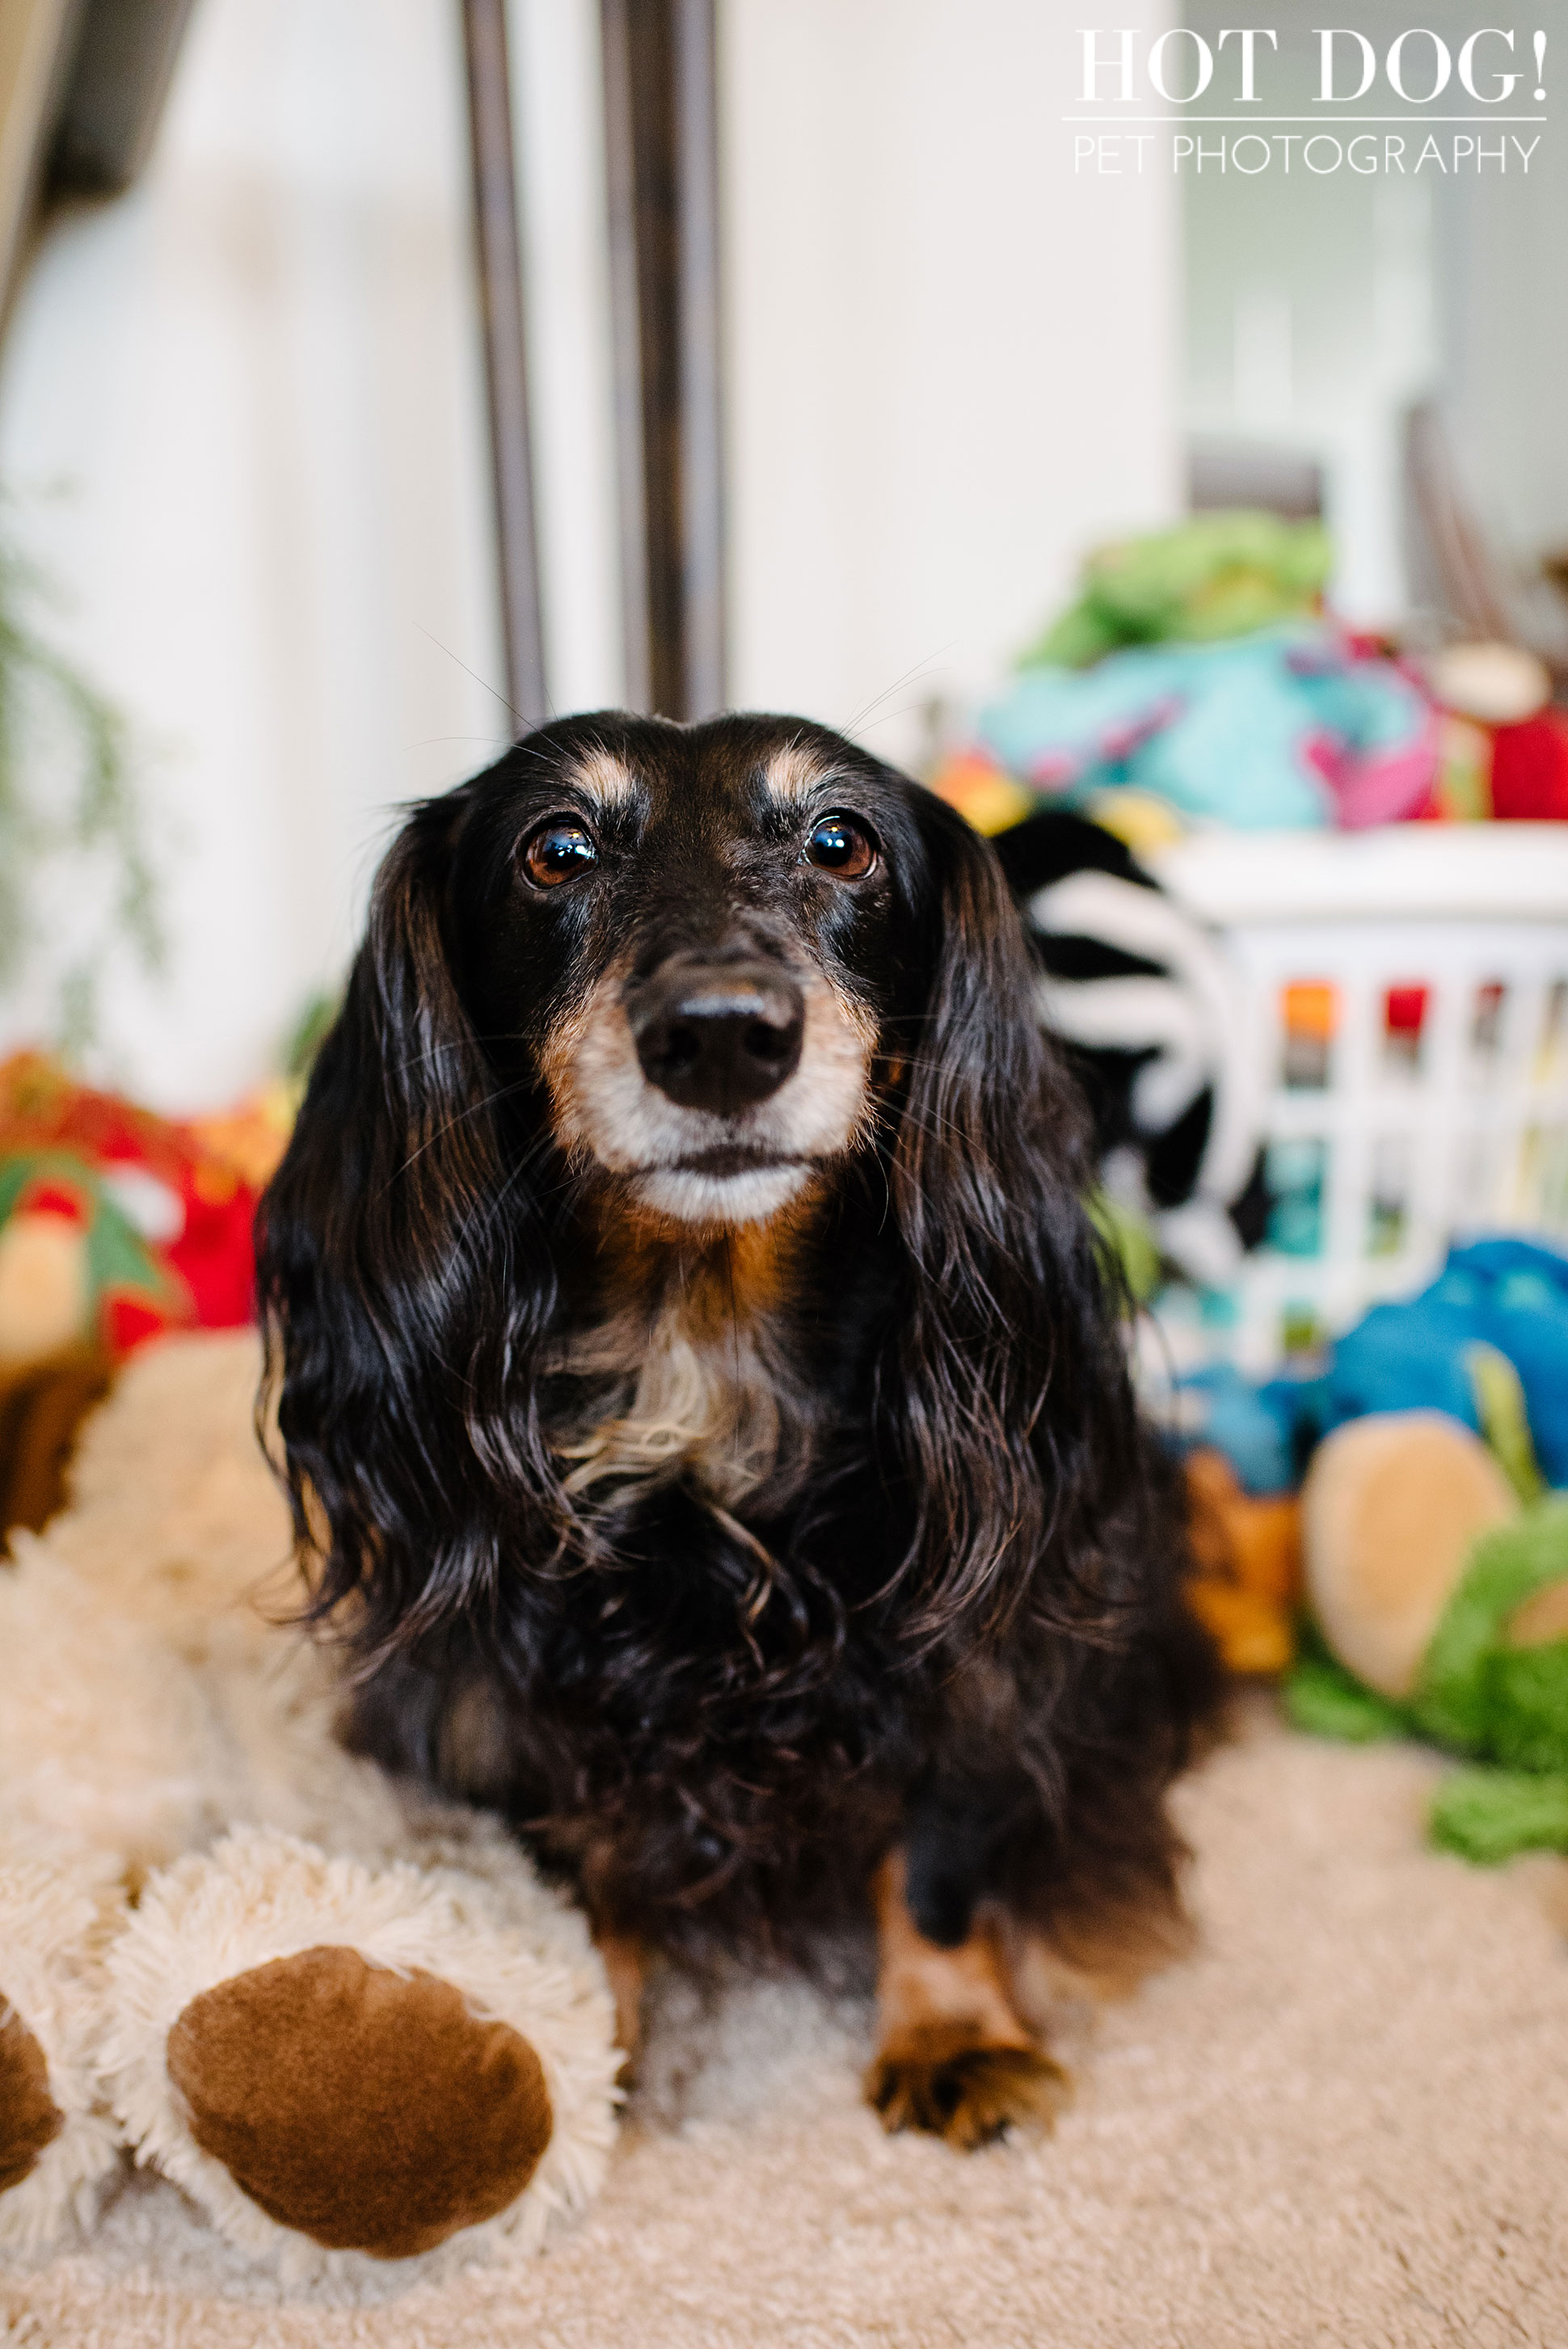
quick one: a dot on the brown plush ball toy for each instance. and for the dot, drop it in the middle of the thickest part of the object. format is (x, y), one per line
(348, 2021)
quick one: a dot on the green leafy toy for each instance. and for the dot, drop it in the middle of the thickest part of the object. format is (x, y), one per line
(1438, 1585)
(1216, 574)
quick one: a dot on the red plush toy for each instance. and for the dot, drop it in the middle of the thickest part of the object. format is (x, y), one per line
(114, 1223)
(1530, 768)
(188, 1189)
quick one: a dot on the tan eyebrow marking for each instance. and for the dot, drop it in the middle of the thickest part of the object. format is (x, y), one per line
(608, 778)
(793, 774)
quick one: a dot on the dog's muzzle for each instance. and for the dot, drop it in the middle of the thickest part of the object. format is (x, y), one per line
(717, 1036)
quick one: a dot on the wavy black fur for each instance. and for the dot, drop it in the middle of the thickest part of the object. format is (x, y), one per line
(961, 1627)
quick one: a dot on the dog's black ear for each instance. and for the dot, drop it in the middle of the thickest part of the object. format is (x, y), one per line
(1007, 1407)
(404, 1278)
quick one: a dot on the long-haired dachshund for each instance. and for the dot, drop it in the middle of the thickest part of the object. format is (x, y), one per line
(702, 1393)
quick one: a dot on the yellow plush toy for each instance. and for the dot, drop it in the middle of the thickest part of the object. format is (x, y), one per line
(347, 2020)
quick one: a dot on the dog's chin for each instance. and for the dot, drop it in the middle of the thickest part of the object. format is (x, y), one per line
(724, 1188)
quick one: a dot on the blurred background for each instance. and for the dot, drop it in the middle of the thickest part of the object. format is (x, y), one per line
(244, 432)
(245, 443)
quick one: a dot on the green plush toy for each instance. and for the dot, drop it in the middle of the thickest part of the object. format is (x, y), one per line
(1216, 574)
(1438, 1588)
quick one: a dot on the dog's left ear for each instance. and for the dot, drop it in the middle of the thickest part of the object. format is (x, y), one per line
(1008, 1399)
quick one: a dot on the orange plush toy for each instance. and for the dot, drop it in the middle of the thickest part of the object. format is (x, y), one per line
(1246, 1554)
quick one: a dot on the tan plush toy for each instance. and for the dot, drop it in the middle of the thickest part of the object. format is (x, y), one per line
(348, 2021)
(1440, 1589)
(1391, 1510)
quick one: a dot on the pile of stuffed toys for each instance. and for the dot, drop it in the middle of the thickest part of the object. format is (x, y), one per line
(1416, 1582)
(1384, 1533)
(1198, 678)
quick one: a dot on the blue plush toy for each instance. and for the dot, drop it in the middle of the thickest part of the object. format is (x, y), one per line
(1497, 1302)
(1289, 727)
(1510, 1295)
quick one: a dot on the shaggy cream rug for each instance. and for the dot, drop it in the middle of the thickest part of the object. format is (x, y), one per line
(1342, 2122)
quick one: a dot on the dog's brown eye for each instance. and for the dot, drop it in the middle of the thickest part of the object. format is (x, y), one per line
(559, 852)
(841, 845)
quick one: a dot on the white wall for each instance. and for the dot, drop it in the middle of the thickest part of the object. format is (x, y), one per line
(1319, 308)
(254, 385)
(1504, 321)
(1310, 324)
(952, 364)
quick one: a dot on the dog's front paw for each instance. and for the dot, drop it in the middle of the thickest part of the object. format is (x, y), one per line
(939, 2079)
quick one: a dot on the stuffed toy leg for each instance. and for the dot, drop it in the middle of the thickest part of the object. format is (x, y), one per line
(59, 2143)
(348, 2021)
(105, 1743)
(331, 2058)
(327, 2058)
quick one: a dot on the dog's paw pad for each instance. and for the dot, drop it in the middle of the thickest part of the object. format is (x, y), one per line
(967, 2095)
(371, 2110)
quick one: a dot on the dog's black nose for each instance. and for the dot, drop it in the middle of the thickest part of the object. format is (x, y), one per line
(717, 1036)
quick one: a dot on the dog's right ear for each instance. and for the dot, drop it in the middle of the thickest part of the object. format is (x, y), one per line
(404, 1278)
(382, 1136)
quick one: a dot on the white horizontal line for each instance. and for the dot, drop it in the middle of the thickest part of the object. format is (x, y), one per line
(1324, 122)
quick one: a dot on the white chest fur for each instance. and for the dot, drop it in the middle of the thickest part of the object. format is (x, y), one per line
(716, 1401)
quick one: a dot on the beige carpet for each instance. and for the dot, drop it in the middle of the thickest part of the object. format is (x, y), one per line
(1344, 2122)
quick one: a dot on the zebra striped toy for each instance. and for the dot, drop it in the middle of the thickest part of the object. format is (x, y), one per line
(1145, 1005)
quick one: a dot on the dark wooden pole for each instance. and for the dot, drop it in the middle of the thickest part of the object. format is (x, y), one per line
(114, 98)
(702, 418)
(499, 256)
(660, 109)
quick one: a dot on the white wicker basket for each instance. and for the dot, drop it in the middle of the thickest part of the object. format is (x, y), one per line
(1429, 1089)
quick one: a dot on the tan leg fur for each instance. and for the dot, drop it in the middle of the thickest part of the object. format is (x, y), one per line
(953, 2057)
(625, 1963)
